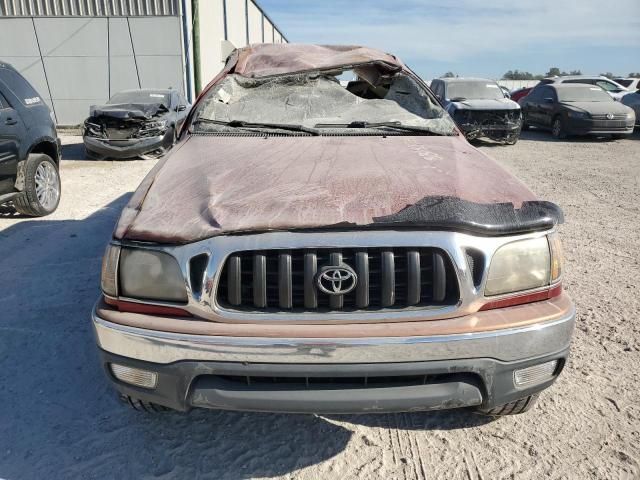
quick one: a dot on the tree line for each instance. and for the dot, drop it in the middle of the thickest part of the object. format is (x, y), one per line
(553, 72)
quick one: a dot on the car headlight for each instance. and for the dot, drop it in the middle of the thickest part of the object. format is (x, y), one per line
(573, 114)
(150, 275)
(631, 115)
(524, 265)
(93, 129)
(157, 125)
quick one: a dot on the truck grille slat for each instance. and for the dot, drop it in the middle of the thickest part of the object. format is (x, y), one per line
(413, 277)
(388, 288)
(284, 281)
(362, 288)
(287, 280)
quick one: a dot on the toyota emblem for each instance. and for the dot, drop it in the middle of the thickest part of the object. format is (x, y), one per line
(609, 116)
(336, 280)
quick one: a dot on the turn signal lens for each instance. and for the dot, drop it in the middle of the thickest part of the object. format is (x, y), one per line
(135, 376)
(556, 256)
(535, 375)
(109, 277)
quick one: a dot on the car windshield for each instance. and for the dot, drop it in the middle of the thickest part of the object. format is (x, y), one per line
(141, 97)
(586, 94)
(474, 90)
(321, 101)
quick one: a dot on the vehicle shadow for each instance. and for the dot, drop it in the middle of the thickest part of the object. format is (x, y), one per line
(61, 419)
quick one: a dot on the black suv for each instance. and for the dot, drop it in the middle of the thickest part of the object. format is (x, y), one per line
(29, 147)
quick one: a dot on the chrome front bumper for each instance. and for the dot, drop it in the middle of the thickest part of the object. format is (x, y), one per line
(507, 345)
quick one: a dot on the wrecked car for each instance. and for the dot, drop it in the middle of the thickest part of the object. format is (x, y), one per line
(135, 123)
(480, 108)
(310, 246)
(29, 147)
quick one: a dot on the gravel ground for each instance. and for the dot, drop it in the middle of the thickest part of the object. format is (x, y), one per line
(59, 419)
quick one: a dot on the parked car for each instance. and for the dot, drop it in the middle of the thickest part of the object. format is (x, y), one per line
(135, 123)
(480, 108)
(632, 100)
(576, 109)
(614, 89)
(310, 247)
(29, 147)
(516, 95)
(631, 84)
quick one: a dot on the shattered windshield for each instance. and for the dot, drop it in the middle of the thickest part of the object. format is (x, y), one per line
(474, 90)
(587, 94)
(318, 101)
(141, 97)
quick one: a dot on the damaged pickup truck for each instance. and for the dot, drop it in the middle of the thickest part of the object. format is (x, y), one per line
(310, 246)
(135, 123)
(480, 108)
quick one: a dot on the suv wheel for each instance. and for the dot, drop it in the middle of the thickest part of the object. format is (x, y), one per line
(557, 129)
(511, 408)
(41, 194)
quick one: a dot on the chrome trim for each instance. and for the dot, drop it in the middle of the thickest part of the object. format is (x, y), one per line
(165, 347)
(219, 248)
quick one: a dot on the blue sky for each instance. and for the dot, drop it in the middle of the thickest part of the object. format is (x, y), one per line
(472, 37)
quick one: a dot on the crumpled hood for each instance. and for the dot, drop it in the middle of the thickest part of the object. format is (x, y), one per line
(128, 111)
(500, 104)
(212, 185)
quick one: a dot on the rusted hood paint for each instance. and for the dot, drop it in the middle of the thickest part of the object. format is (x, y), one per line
(213, 185)
(262, 60)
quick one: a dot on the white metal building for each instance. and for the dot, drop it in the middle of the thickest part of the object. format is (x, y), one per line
(78, 53)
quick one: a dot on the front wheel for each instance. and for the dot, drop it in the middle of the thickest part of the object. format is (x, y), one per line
(41, 194)
(557, 129)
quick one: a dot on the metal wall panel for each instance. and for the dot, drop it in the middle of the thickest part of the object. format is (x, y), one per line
(91, 8)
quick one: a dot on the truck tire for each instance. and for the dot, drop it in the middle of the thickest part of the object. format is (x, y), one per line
(142, 406)
(511, 408)
(42, 188)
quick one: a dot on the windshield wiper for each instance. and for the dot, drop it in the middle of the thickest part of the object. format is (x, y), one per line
(258, 125)
(364, 124)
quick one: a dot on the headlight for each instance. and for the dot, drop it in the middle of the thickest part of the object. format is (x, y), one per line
(93, 129)
(631, 115)
(519, 265)
(573, 114)
(160, 124)
(151, 275)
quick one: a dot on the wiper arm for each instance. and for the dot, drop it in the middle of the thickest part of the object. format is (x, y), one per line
(253, 125)
(362, 124)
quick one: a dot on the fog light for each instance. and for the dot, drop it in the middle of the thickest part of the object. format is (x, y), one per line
(135, 376)
(529, 376)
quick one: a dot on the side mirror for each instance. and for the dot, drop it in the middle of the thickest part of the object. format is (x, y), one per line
(548, 100)
(181, 108)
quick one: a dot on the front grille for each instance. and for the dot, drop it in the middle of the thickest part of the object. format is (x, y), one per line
(266, 383)
(613, 124)
(603, 116)
(285, 280)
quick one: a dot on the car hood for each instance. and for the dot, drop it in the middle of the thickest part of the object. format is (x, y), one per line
(597, 108)
(500, 104)
(213, 185)
(128, 111)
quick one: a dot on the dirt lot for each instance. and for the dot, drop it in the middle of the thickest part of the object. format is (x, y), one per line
(60, 420)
